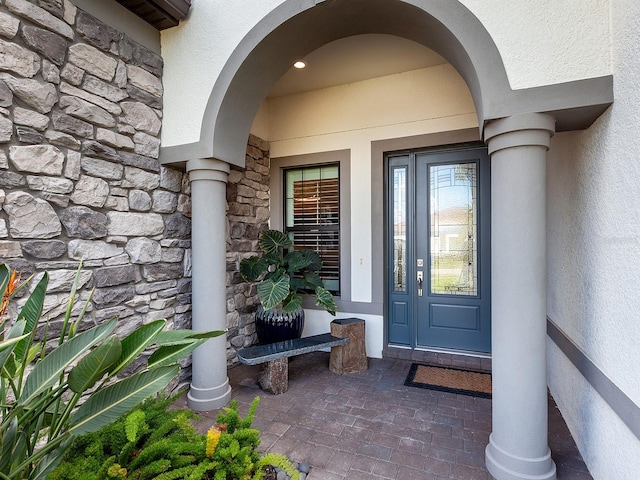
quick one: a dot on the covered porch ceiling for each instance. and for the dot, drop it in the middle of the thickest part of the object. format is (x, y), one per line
(353, 59)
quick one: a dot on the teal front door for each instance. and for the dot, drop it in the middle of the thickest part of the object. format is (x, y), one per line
(438, 249)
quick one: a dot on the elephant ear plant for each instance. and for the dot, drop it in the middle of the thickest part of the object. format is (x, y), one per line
(41, 387)
(284, 272)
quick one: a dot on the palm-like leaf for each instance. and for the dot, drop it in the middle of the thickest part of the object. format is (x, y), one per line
(31, 312)
(326, 300)
(76, 324)
(8, 344)
(72, 297)
(47, 371)
(10, 368)
(4, 279)
(272, 292)
(178, 337)
(9, 436)
(271, 241)
(45, 407)
(296, 261)
(33, 352)
(50, 461)
(169, 354)
(113, 401)
(136, 342)
(175, 344)
(94, 365)
(251, 268)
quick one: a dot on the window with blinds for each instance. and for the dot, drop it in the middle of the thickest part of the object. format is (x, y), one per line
(312, 216)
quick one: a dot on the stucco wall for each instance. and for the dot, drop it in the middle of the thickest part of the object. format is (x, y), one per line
(594, 260)
(351, 117)
(210, 33)
(541, 42)
(545, 41)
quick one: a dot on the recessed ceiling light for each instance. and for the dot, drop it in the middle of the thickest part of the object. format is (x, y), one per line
(299, 64)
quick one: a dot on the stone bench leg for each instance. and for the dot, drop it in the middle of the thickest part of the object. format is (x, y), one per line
(274, 376)
(352, 357)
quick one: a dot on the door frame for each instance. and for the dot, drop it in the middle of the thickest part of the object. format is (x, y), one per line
(484, 239)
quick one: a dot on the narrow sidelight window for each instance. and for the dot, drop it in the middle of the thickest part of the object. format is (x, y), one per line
(399, 192)
(312, 216)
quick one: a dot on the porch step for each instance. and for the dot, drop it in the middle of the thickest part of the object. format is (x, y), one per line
(478, 364)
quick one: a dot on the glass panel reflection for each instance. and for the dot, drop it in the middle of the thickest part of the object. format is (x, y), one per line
(400, 229)
(454, 224)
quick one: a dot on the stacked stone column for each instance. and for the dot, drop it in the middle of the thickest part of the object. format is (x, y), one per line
(80, 120)
(247, 215)
(518, 446)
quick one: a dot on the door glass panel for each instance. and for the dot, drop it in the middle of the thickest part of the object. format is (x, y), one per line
(400, 229)
(453, 210)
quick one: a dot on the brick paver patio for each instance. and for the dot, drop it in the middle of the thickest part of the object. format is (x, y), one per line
(370, 426)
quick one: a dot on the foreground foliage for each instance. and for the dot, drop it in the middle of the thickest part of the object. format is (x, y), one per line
(153, 442)
(51, 394)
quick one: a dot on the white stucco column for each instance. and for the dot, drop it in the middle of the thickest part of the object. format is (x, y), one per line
(518, 445)
(210, 387)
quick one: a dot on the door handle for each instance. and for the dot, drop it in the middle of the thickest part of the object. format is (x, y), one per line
(420, 280)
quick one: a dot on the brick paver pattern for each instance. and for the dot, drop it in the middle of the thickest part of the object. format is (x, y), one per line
(370, 426)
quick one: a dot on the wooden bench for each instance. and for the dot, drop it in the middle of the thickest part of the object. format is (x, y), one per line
(274, 373)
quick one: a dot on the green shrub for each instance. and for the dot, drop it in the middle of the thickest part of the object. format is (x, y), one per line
(50, 396)
(156, 443)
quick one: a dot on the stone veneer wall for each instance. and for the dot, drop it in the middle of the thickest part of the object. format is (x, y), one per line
(80, 117)
(247, 215)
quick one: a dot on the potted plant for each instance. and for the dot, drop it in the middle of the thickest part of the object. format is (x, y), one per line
(283, 273)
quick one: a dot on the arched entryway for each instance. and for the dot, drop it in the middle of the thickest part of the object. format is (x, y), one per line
(516, 125)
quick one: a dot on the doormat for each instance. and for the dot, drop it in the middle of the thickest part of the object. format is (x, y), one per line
(453, 380)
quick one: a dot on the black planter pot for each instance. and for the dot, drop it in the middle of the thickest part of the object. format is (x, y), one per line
(276, 326)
